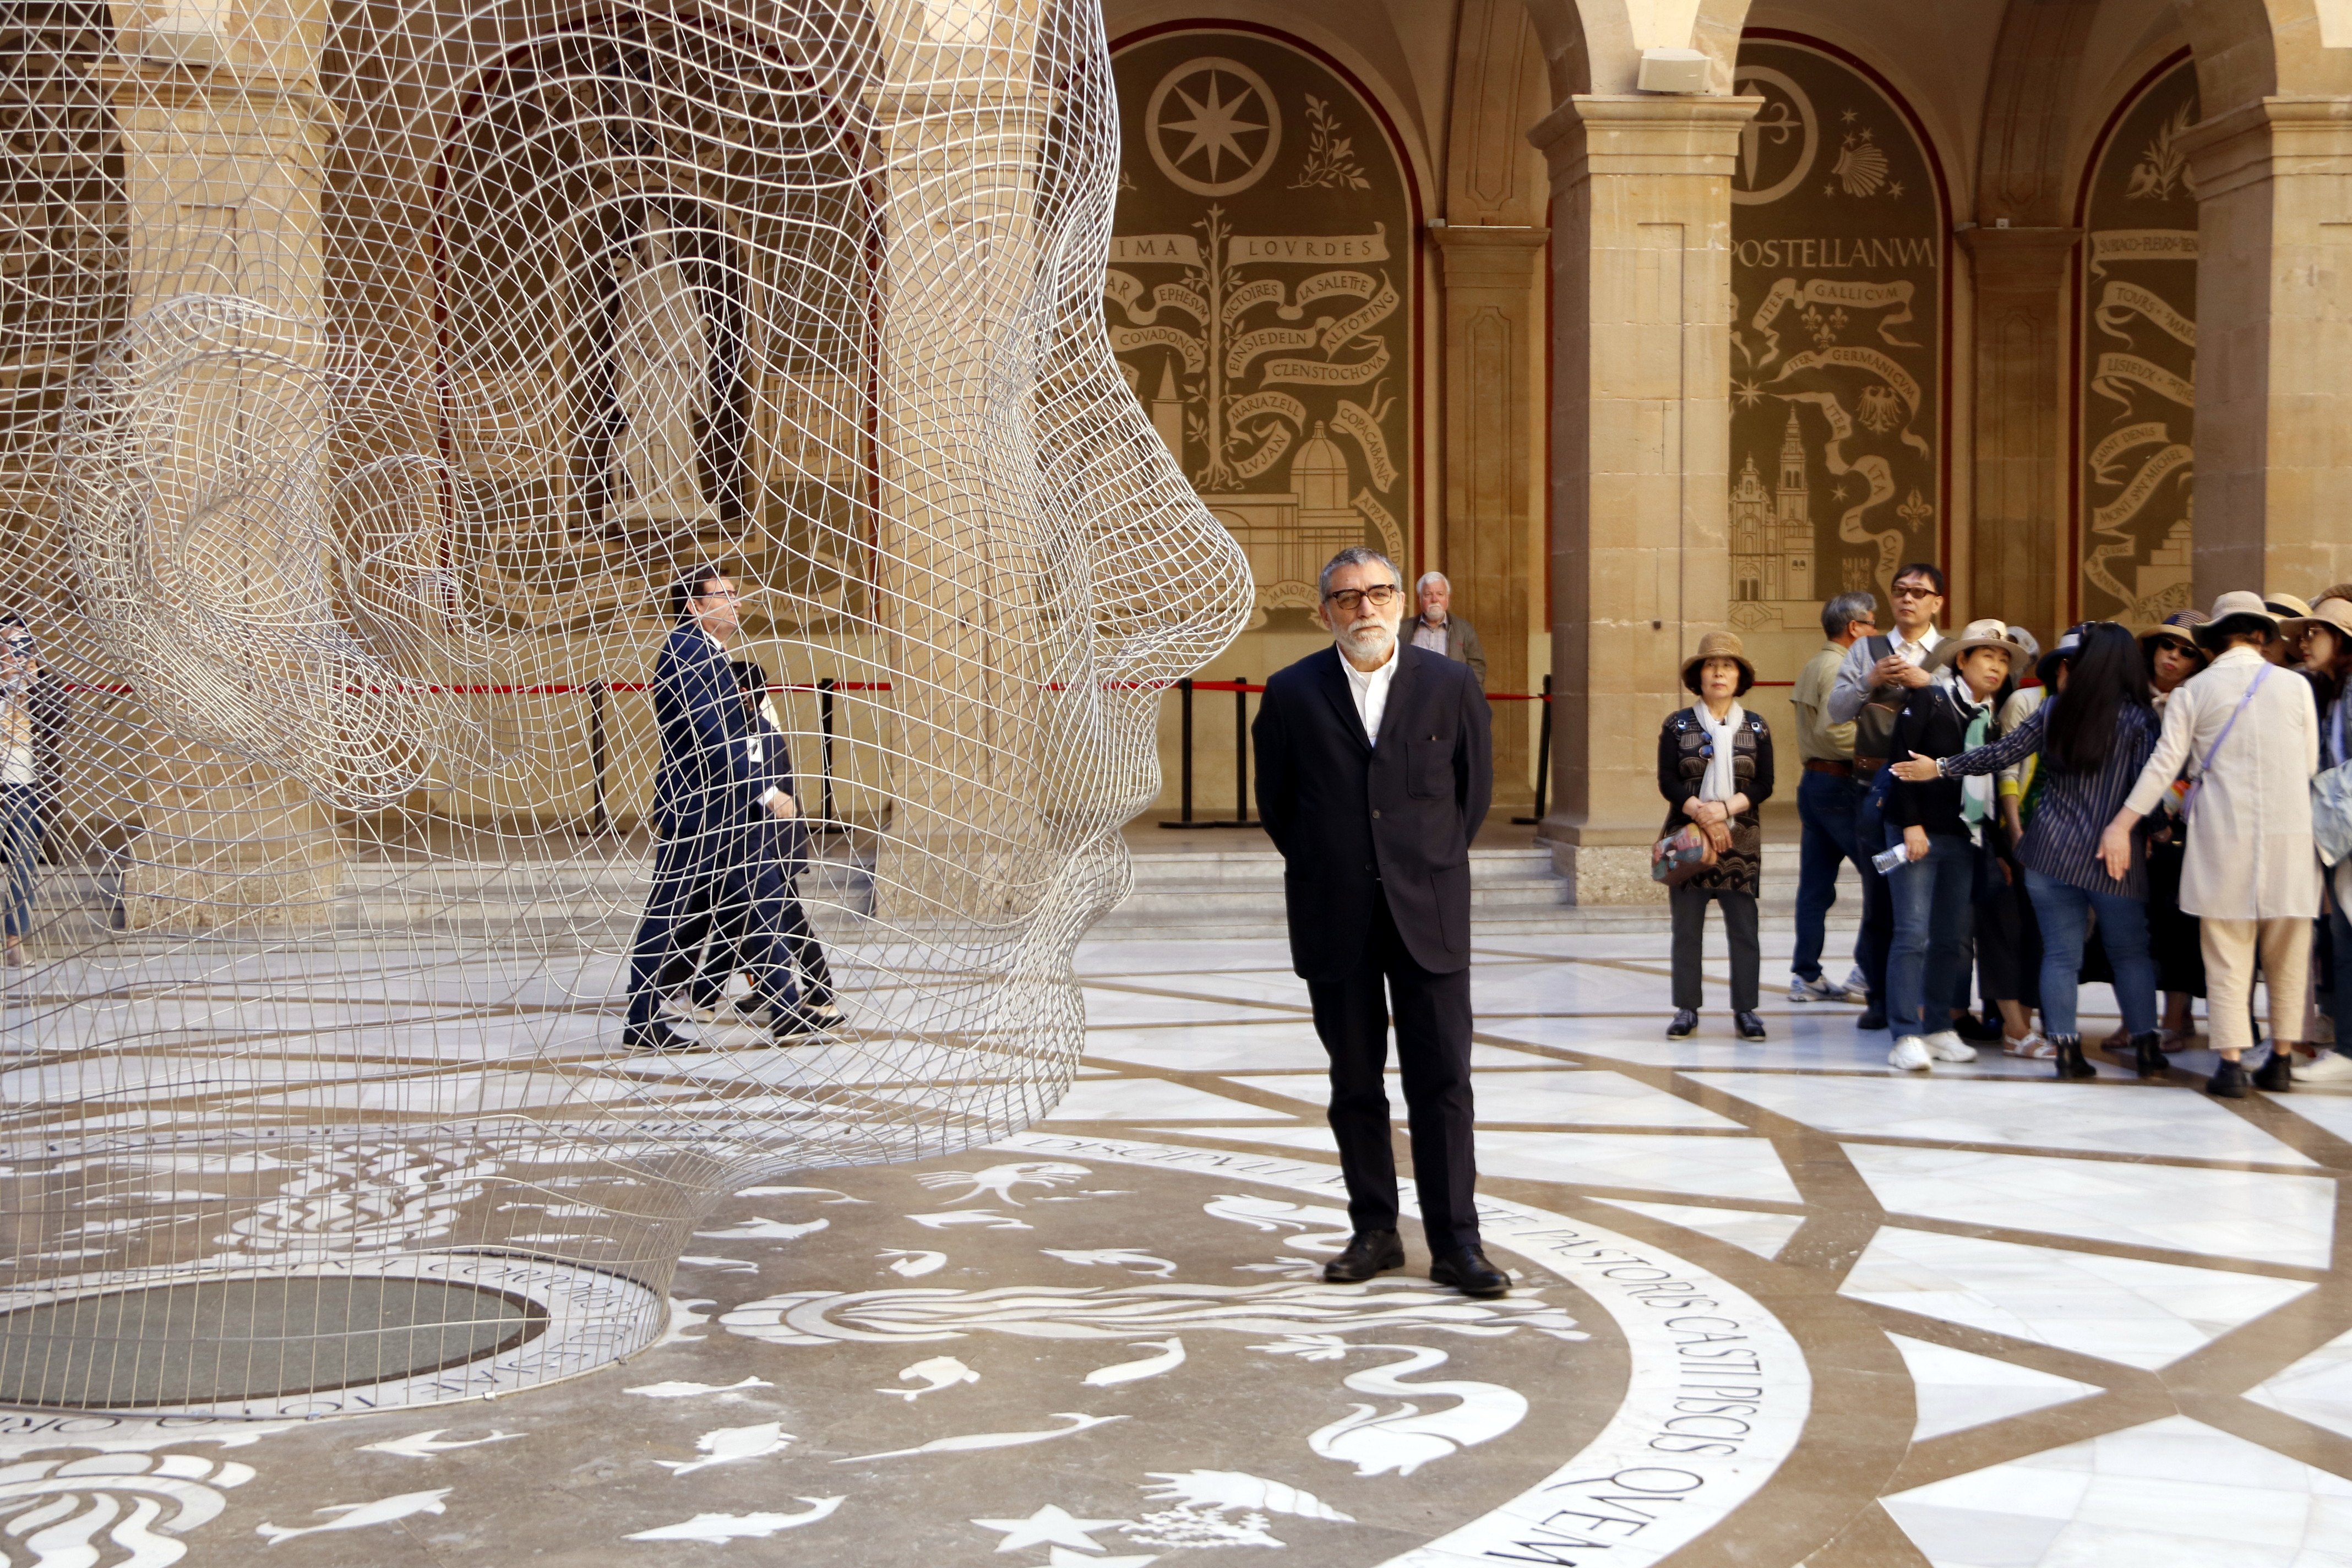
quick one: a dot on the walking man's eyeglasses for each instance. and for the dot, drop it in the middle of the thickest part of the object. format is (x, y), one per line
(1381, 596)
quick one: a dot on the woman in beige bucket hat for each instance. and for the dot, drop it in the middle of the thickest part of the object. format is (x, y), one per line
(1714, 768)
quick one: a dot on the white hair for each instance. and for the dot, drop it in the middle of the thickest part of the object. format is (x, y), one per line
(1426, 578)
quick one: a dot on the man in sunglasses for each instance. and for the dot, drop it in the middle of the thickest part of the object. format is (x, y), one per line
(1875, 680)
(1374, 770)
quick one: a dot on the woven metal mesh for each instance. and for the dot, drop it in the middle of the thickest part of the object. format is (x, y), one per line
(370, 375)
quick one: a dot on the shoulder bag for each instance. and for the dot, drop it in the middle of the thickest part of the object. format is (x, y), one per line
(2189, 801)
(1874, 727)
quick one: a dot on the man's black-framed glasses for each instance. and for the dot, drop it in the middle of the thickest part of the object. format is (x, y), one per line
(1380, 596)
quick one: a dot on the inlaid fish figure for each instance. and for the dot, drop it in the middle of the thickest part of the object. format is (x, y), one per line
(1170, 1357)
(720, 1528)
(425, 1444)
(687, 1390)
(977, 1440)
(988, 1219)
(940, 1372)
(1116, 1257)
(730, 1444)
(757, 1229)
(360, 1515)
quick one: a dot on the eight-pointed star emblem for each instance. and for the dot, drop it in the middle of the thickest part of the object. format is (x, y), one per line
(1212, 125)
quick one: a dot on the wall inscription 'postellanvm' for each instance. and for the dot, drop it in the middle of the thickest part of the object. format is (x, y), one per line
(2136, 392)
(1260, 297)
(1837, 339)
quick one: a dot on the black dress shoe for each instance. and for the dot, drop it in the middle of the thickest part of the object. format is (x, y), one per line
(654, 1038)
(1467, 1271)
(2228, 1082)
(1368, 1253)
(1870, 1018)
(1685, 1025)
(1969, 1026)
(2148, 1059)
(2276, 1075)
(1748, 1026)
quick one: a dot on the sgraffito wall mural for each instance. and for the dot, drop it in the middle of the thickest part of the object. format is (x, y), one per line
(2136, 367)
(1837, 343)
(1260, 298)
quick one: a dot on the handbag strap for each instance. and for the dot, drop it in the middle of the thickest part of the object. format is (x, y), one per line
(2223, 739)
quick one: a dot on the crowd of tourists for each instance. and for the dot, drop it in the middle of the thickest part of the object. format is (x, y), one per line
(2158, 811)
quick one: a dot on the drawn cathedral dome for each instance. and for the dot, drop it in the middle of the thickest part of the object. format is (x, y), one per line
(1319, 474)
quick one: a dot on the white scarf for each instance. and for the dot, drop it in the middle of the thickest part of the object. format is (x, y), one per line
(1718, 784)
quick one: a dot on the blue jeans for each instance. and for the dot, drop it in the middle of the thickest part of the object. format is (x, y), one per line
(1877, 909)
(20, 840)
(2063, 911)
(1825, 806)
(1935, 902)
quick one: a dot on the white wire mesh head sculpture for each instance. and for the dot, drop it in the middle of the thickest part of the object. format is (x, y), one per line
(379, 370)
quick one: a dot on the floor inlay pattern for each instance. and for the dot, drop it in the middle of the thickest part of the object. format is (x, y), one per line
(1775, 1305)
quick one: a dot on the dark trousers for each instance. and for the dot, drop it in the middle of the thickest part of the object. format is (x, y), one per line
(1433, 1036)
(1825, 806)
(1870, 949)
(2339, 997)
(1689, 907)
(21, 832)
(699, 883)
(792, 929)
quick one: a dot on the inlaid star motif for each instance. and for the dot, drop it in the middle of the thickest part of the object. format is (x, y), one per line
(1895, 189)
(1746, 394)
(1052, 1524)
(1215, 126)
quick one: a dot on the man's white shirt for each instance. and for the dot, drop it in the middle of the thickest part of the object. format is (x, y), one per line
(1369, 687)
(753, 751)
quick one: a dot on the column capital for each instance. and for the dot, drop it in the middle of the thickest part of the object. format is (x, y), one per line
(1489, 253)
(2267, 138)
(1640, 134)
(2019, 260)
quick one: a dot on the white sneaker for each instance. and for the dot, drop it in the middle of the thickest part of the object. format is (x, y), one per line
(1911, 1053)
(1947, 1047)
(1819, 989)
(2325, 1068)
(1857, 984)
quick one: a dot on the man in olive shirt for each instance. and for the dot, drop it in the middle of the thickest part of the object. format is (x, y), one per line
(1825, 797)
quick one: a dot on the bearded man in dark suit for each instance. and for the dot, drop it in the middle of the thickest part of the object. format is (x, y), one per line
(1375, 767)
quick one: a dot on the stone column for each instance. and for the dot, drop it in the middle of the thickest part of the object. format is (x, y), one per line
(962, 562)
(2275, 333)
(225, 140)
(1640, 457)
(1493, 367)
(2018, 544)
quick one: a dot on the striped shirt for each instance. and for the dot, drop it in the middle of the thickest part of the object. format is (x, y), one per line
(2062, 838)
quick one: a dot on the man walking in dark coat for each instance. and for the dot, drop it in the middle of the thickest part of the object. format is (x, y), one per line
(1374, 770)
(710, 802)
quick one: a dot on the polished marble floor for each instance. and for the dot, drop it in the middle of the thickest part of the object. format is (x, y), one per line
(1777, 1304)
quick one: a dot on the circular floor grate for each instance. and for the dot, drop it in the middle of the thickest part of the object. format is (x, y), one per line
(230, 1339)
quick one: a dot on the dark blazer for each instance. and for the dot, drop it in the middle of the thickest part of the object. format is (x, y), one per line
(1462, 645)
(708, 781)
(1931, 725)
(1354, 821)
(1682, 773)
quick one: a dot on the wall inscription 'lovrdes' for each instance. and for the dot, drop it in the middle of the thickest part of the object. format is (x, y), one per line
(1837, 341)
(2136, 367)
(1260, 297)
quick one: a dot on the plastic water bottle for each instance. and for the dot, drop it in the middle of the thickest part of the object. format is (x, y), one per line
(1887, 860)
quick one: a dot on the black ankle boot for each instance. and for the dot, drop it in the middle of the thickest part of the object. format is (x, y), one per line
(2148, 1059)
(2069, 1062)
(2276, 1075)
(2228, 1082)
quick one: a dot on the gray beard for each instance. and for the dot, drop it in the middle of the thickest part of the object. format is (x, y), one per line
(1372, 642)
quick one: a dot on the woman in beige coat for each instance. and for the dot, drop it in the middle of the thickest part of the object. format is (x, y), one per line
(2248, 734)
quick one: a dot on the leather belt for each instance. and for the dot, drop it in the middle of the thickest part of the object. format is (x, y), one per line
(1865, 767)
(1826, 765)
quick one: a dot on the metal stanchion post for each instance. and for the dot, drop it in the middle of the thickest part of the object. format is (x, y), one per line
(597, 751)
(1241, 752)
(825, 752)
(1184, 763)
(1543, 760)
